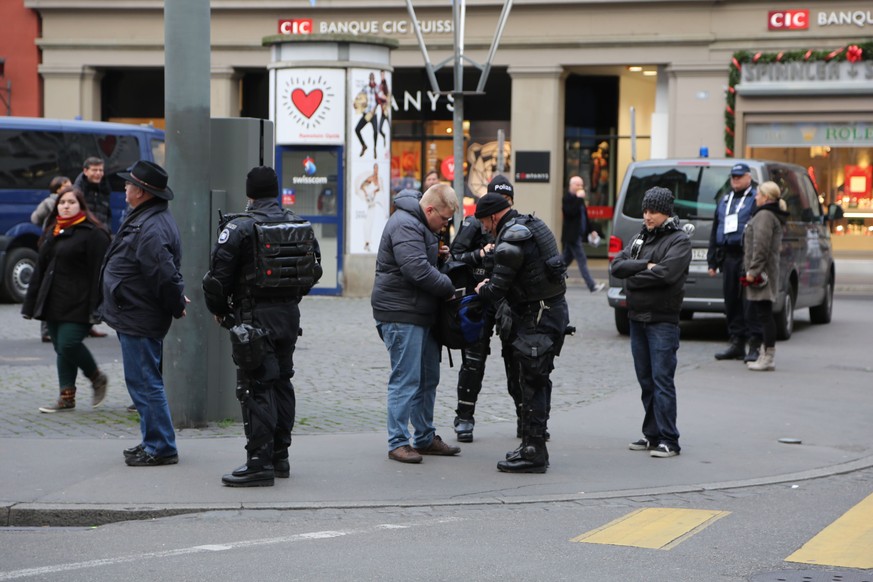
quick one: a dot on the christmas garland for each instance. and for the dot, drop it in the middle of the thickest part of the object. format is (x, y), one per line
(852, 53)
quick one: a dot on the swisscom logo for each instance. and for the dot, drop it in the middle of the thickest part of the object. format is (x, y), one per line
(309, 169)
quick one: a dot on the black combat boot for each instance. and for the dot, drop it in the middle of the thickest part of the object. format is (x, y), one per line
(255, 473)
(754, 350)
(735, 351)
(464, 429)
(281, 465)
(530, 457)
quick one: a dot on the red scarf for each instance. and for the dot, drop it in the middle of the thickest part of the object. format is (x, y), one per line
(63, 223)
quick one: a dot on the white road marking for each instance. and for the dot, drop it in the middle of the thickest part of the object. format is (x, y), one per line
(317, 535)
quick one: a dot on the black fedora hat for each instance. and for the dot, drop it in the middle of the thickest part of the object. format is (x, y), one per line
(150, 177)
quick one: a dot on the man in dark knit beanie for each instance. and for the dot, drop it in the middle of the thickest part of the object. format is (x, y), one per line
(263, 305)
(654, 266)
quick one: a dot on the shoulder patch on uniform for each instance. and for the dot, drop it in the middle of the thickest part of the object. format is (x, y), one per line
(222, 238)
(516, 232)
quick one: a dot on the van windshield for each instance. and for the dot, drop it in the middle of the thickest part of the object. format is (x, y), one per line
(696, 189)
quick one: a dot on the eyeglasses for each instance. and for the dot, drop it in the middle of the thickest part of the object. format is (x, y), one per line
(446, 219)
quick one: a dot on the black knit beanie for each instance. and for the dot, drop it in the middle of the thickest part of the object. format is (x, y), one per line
(491, 203)
(659, 200)
(262, 182)
(501, 185)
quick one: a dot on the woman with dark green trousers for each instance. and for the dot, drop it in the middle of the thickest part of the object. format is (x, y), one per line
(63, 291)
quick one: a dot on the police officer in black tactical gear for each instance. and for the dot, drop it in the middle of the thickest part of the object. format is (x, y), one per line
(264, 261)
(473, 247)
(529, 274)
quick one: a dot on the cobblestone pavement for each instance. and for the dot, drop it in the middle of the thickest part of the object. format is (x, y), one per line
(341, 374)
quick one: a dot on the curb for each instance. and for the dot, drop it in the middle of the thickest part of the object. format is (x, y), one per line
(92, 515)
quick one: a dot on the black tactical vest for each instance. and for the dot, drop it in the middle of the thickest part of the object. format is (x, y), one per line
(544, 272)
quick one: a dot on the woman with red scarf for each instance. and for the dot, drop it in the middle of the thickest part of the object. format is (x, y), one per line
(63, 291)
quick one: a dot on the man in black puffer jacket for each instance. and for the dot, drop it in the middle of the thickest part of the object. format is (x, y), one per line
(654, 267)
(406, 295)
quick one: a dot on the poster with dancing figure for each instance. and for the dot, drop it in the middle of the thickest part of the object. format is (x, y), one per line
(368, 154)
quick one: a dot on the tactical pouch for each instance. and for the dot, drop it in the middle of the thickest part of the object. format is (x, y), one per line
(556, 270)
(249, 346)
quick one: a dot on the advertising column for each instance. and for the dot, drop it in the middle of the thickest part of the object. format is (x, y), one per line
(310, 128)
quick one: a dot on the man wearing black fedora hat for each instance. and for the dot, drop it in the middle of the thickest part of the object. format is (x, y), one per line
(529, 274)
(142, 292)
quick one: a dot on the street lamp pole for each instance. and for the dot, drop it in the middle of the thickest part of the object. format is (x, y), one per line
(459, 9)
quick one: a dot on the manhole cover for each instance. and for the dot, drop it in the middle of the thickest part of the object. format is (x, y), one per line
(811, 576)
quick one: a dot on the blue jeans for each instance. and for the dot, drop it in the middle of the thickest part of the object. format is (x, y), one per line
(654, 347)
(415, 373)
(575, 250)
(142, 374)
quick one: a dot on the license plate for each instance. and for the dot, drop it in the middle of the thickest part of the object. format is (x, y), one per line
(698, 254)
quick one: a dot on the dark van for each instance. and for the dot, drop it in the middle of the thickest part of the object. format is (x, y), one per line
(806, 267)
(32, 152)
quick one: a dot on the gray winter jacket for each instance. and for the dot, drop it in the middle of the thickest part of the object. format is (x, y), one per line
(408, 286)
(762, 240)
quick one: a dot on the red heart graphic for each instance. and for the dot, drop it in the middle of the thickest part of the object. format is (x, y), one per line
(307, 104)
(107, 145)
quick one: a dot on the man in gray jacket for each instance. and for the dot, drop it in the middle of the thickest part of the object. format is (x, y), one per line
(406, 296)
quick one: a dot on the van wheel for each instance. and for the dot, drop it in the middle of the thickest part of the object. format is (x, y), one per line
(20, 264)
(822, 313)
(785, 318)
(622, 323)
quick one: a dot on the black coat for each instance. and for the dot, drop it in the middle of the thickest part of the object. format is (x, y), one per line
(97, 197)
(655, 295)
(64, 285)
(141, 284)
(575, 216)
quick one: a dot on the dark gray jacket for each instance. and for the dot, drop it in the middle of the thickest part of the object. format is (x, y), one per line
(141, 285)
(655, 295)
(408, 286)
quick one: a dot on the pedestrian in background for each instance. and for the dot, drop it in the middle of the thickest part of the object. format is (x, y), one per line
(762, 240)
(725, 254)
(406, 295)
(40, 217)
(432, 178)
(576, 229)
(63, 292)
(529, 276)
(654, 267)
(265, 306)
(142, 292)
(95, 186)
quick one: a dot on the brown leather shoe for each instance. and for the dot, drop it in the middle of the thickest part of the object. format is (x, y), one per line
(405, 454)
(438, 447)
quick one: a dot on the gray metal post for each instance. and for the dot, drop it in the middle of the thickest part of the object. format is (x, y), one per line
(186, 75)
(458, 17)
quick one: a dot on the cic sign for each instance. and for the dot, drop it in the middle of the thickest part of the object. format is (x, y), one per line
(788, 20)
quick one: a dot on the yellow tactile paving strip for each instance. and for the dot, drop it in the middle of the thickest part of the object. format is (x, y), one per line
(655, 528)
(847, 542)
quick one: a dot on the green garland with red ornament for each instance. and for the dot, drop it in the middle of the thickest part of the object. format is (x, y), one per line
(853, 53)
